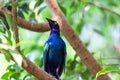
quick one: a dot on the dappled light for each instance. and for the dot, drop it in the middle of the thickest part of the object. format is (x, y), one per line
(89, 28)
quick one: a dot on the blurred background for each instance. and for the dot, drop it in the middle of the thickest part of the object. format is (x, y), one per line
(96, 22)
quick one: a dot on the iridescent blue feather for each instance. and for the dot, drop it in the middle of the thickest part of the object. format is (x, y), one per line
(54, 52)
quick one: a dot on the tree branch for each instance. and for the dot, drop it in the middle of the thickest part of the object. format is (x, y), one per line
(36, 71)
(104, 8)
(71, 36)
(38, 27)
(74, 40)
(14, 14)
(117, 48)
(26, 64)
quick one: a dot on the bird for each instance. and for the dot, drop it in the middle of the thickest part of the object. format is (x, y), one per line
(54, 54)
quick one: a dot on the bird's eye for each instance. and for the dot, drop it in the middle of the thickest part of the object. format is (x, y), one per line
(55, 22)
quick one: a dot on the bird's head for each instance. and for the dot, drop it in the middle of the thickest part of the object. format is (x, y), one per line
(53, 25)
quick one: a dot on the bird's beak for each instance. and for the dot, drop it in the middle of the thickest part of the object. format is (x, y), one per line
(49, 20)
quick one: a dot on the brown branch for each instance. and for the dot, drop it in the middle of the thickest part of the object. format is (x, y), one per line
(38, 27)
(1, 12)
(14, 14)
(36, 71)
(117, 48)
(71, 36)
(28, 65)
(104, 8)
(74, 40)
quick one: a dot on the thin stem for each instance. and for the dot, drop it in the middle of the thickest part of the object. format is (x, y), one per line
(104, 8)
(14, 14)
(117, 48)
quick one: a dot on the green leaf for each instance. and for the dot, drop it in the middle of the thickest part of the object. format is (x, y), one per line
(7, 38)
(20, 13)
(21, 43)
(25, 7)
(2, 30)
(16, 75)
(6, 76)
(4, 24)
(7, 55)
(99, 32)
(0, 40)
(12, 52)
(13, 71)
(84, 2)
(22, 2)
(107, 70)
(38, 2)
(17, 67)
(32, 15)
(9, 67)
(41, 9)
(9, 20)
(80, 26)
(15, 3)
(63, 9)
(9, 7)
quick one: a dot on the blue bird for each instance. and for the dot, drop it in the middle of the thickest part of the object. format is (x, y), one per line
(54, 55)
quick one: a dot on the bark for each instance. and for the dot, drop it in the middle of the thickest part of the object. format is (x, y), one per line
(70, 35)
(117, 48)
(36, 71)
(29, 66)
(14, 14)
(37, 27)
(74, 40)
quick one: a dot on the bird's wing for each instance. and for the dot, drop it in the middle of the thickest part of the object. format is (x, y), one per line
(45, 56)
(65, 53)
(62, 66)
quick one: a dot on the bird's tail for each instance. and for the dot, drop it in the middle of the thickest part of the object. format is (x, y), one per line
(55, 75)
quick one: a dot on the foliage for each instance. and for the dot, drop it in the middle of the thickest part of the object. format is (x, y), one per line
(98, 29)
(107, 70)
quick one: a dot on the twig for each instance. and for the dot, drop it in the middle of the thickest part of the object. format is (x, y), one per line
(104, 8)
(14, 14)
(16, 33)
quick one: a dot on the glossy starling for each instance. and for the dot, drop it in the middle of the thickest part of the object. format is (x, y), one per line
(54, 51)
